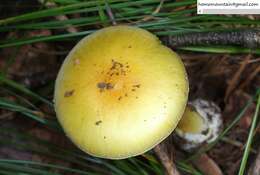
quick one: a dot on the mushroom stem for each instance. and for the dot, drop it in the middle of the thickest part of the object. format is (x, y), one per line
(166, 160)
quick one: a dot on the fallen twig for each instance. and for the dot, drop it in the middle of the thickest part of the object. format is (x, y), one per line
(249, 38)
(166, 159)
(233, 82)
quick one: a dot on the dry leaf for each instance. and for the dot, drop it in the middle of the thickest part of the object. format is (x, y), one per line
(207, 165)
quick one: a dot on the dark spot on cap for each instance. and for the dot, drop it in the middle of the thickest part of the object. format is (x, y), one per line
(126, 94)
(129, 46)
(101, 85)
(109, 86)
(105, 137)
(116, 65)
(98, 122)
(69, 93)
(133, 90)
(137, 85)
(119, 98)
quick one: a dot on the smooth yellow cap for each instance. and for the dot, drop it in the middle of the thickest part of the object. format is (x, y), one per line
(120, 92)
(191, 121)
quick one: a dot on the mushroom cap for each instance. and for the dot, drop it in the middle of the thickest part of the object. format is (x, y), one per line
(120, 92)
(200, 124)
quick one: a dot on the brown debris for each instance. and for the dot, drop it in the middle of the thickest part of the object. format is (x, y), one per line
(207, 165)
(234, 105)
(69, 93)
(137, 85)
(98, 122)
(6, 115)
(255, 167)
(235, 79)
(70, 28)
(226, 154)
(33, 64)
(166, 159)
(250, 77)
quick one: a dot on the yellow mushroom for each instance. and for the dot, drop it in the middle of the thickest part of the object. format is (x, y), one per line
(200, 124)
(120, 92)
